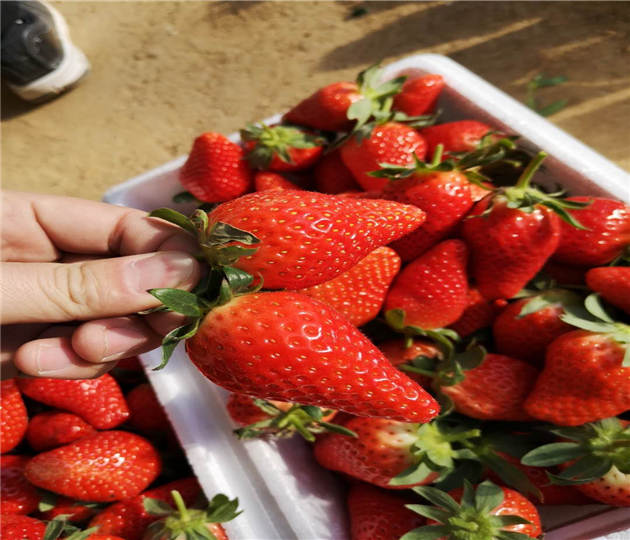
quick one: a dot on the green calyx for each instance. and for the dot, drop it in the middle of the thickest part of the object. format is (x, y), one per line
(60, 527)
(307, 420)
(593, 448)
(470, 519)
(567, 300)
(190, 523)
(277, 140)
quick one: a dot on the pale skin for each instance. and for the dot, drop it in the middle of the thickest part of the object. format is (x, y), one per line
(74, 275)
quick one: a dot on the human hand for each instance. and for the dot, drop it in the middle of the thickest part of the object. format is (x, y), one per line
(74, 275)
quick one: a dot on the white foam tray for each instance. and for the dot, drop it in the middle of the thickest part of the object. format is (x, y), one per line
(284, 493)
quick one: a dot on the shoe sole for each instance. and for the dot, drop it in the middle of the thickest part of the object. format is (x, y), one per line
(73, 67)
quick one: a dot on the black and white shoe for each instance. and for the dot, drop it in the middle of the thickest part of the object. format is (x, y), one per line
(39, 60)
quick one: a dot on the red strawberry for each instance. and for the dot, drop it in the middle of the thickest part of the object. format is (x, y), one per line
(107, 466)
(53, 428)
(147, 413)
(490, 508)
(460, 136)
(432, 290)
(376, 514)
(13, 416)
(265, 180)
(358, 294)
(281, 148)
(399, 353)
(526, 327)
(391, 143)
(606, 235)
(419, 96)
(17, 496)
(565, 274)
(307, 238)
(216, 169)
(129, 518)
(18, 527)
(332, 176)
(74, 511)
(99, 401)
(479, 313)
(288, 347)
(244, 411)
(613, 283)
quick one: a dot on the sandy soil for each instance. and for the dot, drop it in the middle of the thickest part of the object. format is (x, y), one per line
(162, 72)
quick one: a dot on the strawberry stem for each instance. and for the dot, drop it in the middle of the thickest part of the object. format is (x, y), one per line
(181, 505)
(526, 176)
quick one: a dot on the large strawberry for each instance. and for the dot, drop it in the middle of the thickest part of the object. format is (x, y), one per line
(376, 514)
(459, 136)
(99, 401)
(487, 512)
(332, 176)
(587, 372)
(50, 429)
(612, 283)
(419, 95)
(15, 526)
(359, 292)
(432, 289)
(392, 142)
(17, 495)
(595, 458)
(605, 236)
(216, 169)
(13, 416)
(105, 467)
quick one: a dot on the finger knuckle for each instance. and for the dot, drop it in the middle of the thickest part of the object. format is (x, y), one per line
(76, 290)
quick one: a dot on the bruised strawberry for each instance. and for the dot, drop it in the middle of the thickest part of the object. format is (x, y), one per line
(216, 169)
(265, 180)
(332, 176)
(460, 136)
(50, 429)
(419, 95)
(17, 495)
(99, 401)
(613, 283)
(13, 416)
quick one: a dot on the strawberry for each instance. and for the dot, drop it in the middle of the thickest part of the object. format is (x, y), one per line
(281, 148)
(419, 95)
(460, 136)
(587, 373)
(216, 169)
(105, 467)
(479, 313)
(511, 234)
(594, 457)
(605, 236)
(147, 413)
(16, 494)
(50, 429)
(265, 180)
(358, 294)
(612, 283)
(392, 143)
(307, 238)
(286, 346)
(99, 401)
(398, 352)
(526, 327)
(376, 514)
(244, 411)
(332, 176)
(18, 527)
(432, 290)
(489, 511)
(13, 416)
(565, 274)
(53, 506)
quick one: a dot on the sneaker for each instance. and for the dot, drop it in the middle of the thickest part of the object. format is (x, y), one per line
(38, 59)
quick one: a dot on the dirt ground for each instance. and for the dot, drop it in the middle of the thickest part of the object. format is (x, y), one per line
(163, 72)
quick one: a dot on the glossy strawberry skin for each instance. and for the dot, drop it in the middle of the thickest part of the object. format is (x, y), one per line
(479, 313)
(583, 380)
(608, 234)
(432, 290)
(215, 170)
(300, 158)
(460, 136)
(99, 401)
(307, 238)
(419, 95)
(332, 176)
(285, 346)
(327, 108)
(508, 246)
(358, 294)
(15, 526)
(244, 411)
(444, 197)
(612, 283)
(129, 519)
(53, 428)
(376, 514)
(17, 496)
(105, 467)
(265, 180)
(13, 416)
(147, 413)
(391, 143)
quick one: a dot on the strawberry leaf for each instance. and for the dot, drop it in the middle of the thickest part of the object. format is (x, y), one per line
(437, 497)
(180, 301)
(488, 496)
(172, 339)
(411, 475)
(157, 507)
(173, 216)
(430, 512)
(553, 454)
(427, 532)
(586, 469)
(222, 509)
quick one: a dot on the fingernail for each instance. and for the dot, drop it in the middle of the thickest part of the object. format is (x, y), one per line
(47, 360)
(161, 269)
(119, 342)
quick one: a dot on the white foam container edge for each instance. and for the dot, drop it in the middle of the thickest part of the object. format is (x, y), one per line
(284, 493)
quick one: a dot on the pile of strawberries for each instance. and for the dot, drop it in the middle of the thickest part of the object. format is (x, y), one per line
(97, 459)
(466, 328)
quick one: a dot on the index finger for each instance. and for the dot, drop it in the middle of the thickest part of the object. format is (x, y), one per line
(37, 228)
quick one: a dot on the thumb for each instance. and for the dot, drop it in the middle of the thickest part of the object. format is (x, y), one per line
(58, 292)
